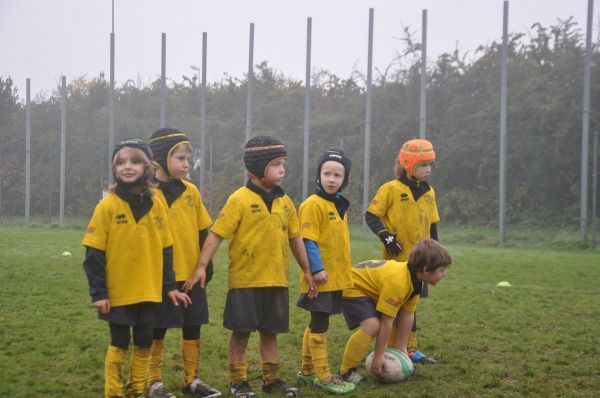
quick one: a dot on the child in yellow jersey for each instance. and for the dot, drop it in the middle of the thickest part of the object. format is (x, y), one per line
(386, 292)
(189, 222)
(404, 211)
(129, 264)
(324, 223)
(261, 223)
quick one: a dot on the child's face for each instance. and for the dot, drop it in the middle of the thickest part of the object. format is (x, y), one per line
(332, 176)
(275, 172)
(129, 164)
(423, 171)
(434, 276)
(179, 162)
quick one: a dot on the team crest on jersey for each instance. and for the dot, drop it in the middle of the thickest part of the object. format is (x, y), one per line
(428, 199)
(121, 218)
(331, 215)
(90, 230)
(189, 199)
(158, 222)
(255, 208)
(403, 197)
(392, 302)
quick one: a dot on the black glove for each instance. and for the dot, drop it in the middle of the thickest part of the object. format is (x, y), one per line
(209, 272)
(391, 244)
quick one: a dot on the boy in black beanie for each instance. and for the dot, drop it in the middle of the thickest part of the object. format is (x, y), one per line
(261, 223)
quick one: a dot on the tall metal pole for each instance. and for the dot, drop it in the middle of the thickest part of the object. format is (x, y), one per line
(250, 84)
(1, 180)
(585, 129)
(63, 129)
(503, 89)
(306, 110)
(594, 188)
(423, 113)
(203, 114)
(211, 198)
(111, 98)
(367, 159)
(27, 149)
(163, 81)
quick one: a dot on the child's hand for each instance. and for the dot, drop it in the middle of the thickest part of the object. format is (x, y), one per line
(378, 366)
(313, 291)
(176, 296)
(320, 277)
(102, 305)
(199, 276)
(391, 244)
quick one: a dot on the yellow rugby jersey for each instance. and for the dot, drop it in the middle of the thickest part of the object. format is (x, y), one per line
(134, 251)
(258, 240)
(387, 283)
(320, 222)
(187, 216)
(410, 221)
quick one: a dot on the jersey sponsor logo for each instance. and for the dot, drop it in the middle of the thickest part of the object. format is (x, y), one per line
(158, 221)
(90, 230)
(255, 208)
(370, 264)
(121, 218)
(392, 302)
(403, 197)
(306, 225)
(374, 202)
(331, 215)
(189, 200)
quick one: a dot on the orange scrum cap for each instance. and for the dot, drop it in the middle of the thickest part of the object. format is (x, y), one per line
(414, 152)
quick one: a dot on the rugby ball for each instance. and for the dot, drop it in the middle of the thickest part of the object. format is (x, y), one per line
(399, 367)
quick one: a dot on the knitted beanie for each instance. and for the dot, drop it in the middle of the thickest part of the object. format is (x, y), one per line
(336, 155)
(163, 142)
(260, 151)
(133, 143)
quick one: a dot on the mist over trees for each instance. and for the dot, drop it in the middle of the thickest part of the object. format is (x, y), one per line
(545, 80)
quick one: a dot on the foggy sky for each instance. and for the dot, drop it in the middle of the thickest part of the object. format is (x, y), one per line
(43, 39)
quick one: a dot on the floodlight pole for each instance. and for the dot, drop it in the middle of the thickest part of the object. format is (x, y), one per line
(503, 89)
(111, 98)
(306, 110)
(367, 159)
(594, 188)
(27, 149)
(63, 132)
(250, 82)
(163, 81)
(423, 115)
(585, 134)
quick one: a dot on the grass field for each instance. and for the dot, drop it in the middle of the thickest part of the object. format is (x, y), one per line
(538, 338)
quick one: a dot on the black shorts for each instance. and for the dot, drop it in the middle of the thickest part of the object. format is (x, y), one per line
(328, 302)
(171, 316)
(132, 314)
(265, 309)
(357, 309)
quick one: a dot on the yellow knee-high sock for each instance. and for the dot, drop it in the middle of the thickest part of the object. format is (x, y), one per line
(156, 359)
(307, 363)
(393, 335)
(190, 351)
(138, 369)
(238, 371)
(318, 351)
(412, 342)
(269, 371)
(355, 350)
(113, 371)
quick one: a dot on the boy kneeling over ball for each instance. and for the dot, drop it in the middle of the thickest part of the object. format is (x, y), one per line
(386, 292)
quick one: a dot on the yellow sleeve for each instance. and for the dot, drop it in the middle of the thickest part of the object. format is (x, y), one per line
(228, 220)
(166, 230)
(96, 232)
(294, 225)
(204, 220)
(379, 204)
(435, 216)
(310, 220)
(390, 300)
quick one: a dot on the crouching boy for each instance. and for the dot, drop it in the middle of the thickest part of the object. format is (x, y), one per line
(387, 292)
